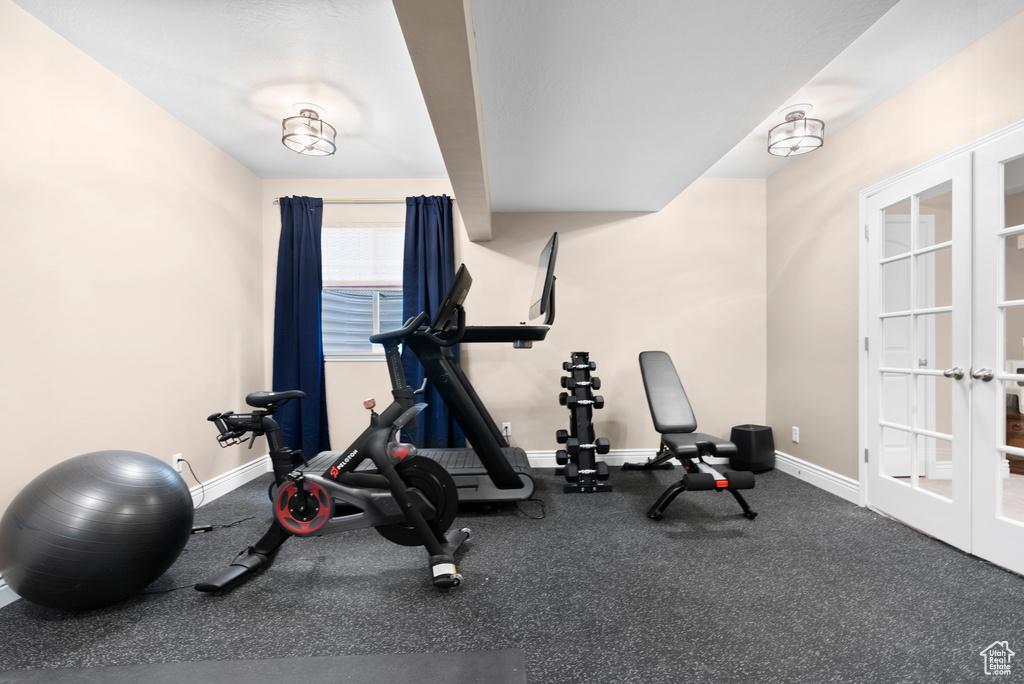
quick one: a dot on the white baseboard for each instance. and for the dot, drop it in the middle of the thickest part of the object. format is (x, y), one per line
(234, 478)
(823, 478)
(209, 491)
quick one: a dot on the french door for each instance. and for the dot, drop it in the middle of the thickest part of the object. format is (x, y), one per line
(919, 338)
(997, 452)
(944, 317)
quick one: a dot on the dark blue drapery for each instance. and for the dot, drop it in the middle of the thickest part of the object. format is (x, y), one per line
(298, 346)
(427, 273)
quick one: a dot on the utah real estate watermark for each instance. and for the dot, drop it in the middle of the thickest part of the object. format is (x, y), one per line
(997, 657)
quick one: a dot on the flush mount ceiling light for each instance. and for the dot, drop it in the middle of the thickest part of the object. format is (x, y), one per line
(797, 134)
(307, 132)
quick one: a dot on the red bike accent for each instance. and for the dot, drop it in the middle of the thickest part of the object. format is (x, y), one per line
(293, 524)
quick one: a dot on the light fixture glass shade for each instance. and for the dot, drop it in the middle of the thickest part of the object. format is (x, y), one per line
(308, 134)
(796, 135)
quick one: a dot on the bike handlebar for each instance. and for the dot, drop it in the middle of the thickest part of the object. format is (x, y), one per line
(411, 326)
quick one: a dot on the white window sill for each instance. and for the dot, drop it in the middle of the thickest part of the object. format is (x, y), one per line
(345, 358)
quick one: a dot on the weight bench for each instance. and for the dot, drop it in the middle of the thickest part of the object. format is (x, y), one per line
(673, 418)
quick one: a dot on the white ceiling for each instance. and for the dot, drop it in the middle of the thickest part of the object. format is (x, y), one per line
(604, 105)
(232, 69)
(587, 104)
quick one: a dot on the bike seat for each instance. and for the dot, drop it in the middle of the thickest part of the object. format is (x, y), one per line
(267, 399)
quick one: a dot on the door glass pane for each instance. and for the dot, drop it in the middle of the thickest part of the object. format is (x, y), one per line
(1013, 351)
(1013, 400)
(1013, 182)
(1014, 267)
(895, 402)
(935, 466)
(935, 404)
(895, 456)
(935, 341)
(896, 352)
(935, 212)
(935, 279)
(896, 229)
(896, 286)
(1011, 480)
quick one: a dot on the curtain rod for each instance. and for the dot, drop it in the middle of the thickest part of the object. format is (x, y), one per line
(360, 200)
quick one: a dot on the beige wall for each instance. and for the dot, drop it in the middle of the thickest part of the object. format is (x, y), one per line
(688, 280)
(129, 254)
(814, 232)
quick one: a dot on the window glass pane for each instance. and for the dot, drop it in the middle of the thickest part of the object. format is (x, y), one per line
(390, 310)
(896, 398)
(347, 320)
(1015, 266)
(935, 341)
(1011, 479)
(1013, 351)
(362, 280)
(896, 455)
(1011, 471)
(935, 279)
(362, 257)
(936, 215)
(896, 342)
(935, 465)
(896, 229)
(935, 404)
(1013, 184)
(896, 286)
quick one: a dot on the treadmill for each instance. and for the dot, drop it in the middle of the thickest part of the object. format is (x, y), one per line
(491, 470)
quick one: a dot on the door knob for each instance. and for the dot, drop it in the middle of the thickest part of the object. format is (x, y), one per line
(956, 372)
(983, 374)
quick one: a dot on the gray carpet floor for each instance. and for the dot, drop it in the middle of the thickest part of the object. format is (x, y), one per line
(814, 590)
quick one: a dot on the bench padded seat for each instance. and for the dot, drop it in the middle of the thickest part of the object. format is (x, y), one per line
(694, 444)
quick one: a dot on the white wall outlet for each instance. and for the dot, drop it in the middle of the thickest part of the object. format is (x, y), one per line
(506, 429)
(796, 435)
(177, 460)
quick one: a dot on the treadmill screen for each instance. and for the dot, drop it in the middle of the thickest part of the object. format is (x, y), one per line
(543, 285)
(445, 316)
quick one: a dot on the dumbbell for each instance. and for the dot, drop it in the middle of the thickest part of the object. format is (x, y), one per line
(561, 436)
(561, 458)
(573, 402)
(567, 366)
(572, 383)
(572, 472)
(602, 470)
(601, 445)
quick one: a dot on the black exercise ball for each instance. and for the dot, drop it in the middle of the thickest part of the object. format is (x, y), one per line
(94, 529)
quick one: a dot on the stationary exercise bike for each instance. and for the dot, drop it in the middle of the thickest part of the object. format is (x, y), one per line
(409, 500)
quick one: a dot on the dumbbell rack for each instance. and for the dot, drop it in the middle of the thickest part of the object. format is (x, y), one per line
(582, 471)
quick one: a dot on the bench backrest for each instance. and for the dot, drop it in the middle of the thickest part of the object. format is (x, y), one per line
(670, 409)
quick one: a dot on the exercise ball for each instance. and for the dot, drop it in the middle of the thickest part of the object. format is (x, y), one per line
(94, 529)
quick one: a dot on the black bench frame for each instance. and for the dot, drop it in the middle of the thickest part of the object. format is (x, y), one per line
(673, 418)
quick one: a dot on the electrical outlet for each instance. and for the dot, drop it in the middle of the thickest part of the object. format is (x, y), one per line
(178, 461)
(796, 435)
(506, 429)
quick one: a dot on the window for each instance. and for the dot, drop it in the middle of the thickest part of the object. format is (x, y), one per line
(362, 287)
